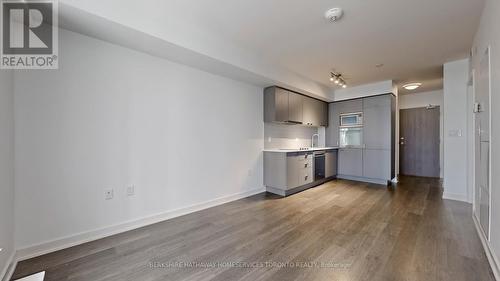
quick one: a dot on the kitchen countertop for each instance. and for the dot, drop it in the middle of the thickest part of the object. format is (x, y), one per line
(280, 150)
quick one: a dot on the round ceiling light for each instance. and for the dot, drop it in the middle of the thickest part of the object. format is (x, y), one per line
(412, 86)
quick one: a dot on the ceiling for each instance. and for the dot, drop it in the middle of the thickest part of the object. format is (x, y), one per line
(412, 39)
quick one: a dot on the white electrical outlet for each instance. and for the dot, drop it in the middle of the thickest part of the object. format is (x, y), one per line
(130, 190)
(108, 194)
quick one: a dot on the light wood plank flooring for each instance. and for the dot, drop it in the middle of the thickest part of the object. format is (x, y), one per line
(339, 231)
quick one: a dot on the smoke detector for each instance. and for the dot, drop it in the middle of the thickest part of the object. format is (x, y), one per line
(334, 14)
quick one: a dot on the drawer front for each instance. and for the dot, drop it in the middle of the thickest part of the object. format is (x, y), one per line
(306, 164)
(305, 177)
(306, 157)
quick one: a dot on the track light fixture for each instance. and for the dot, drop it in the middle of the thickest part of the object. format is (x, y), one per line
(338, 79)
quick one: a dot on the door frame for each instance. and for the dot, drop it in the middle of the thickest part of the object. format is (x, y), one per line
(472, 145)
(488, 237)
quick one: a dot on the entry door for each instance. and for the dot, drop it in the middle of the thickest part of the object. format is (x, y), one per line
(419, 142)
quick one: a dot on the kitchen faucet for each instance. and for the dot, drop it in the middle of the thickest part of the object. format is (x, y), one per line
(312, 139)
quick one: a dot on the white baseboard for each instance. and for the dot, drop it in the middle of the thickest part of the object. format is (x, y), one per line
(492, 257)
(84, 237)
(455, 196)
(7, 272)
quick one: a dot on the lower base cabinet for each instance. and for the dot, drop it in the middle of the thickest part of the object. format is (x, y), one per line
(370, 165)
(377, 164)
(350, 162)
(331, 163)
(287, 173)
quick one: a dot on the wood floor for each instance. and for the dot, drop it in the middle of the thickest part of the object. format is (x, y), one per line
(339, 231)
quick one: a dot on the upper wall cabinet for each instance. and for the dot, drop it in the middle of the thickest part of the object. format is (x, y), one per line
(295, 108)
(315, 112)
(283, 106)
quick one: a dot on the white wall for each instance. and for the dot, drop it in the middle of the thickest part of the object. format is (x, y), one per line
(366, 90)
(111, 117)
(456, 75)
(489, 35)
(422, 100)
(289, 136)
(6, 170)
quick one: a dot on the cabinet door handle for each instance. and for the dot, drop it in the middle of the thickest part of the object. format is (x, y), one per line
(305, 165)
(305, 178)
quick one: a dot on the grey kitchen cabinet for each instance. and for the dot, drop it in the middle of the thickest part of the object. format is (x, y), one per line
(275, 105)
(322, 113)
(310, 116)
(282, 106)
(377, 115)
(295, 108)
(335, 110)
(315, 112)
(330, 163)
(304, 169)
(350, 162)
(350, 106)
(286, 171)
(374, 161)
(376, 164)
(292, 164)
(332, 131)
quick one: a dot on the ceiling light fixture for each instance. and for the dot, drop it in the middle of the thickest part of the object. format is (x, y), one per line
(412, 86)
(338, 79)
(334, 14)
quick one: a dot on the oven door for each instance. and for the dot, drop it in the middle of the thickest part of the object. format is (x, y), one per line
(351, 137)
(319, 166)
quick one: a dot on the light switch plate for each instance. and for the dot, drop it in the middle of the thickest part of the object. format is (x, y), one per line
(455, 133)
(108, 194)
(131, 190)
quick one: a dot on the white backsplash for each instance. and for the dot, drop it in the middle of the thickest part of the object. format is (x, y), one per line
(290, 136)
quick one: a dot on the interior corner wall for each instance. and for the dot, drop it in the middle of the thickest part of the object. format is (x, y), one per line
(111, 117)
(422, 100)
(7, 225)
(489, 35)
(456, 76)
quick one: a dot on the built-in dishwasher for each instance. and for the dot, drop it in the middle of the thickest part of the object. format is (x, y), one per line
(319, 165)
